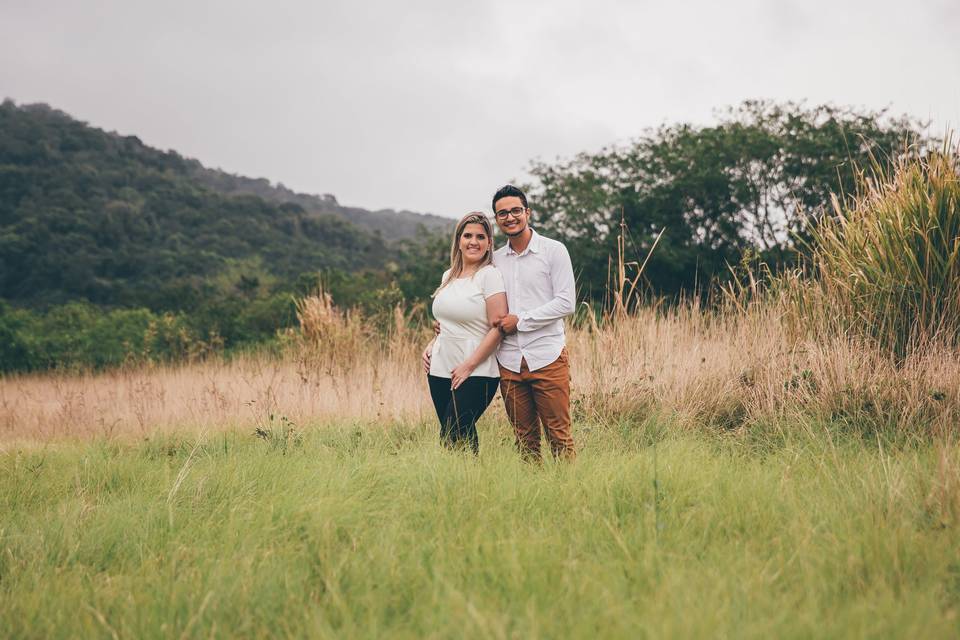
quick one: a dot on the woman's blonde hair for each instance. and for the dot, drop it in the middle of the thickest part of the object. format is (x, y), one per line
(456, 256)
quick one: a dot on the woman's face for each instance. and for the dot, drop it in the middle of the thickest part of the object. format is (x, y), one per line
(474, 243)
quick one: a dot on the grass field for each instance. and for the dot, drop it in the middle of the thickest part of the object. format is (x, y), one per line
(733, 481)
(365, 531)
(783, 464)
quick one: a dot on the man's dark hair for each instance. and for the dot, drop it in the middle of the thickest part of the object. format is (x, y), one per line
(506, 191)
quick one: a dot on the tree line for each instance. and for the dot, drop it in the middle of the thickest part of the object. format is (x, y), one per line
(111, 250)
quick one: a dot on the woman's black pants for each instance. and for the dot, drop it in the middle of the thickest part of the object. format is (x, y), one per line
(459, 410)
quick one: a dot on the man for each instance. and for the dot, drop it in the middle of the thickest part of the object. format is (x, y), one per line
(534, 370)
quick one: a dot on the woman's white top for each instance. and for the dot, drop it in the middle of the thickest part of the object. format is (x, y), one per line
(461, 308)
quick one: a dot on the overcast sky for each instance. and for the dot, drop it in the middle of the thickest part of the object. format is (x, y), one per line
(430, 106)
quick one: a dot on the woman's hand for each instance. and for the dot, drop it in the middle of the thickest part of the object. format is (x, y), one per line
(425, 357)
(461, 373)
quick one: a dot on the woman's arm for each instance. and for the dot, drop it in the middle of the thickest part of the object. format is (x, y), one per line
(496, 309)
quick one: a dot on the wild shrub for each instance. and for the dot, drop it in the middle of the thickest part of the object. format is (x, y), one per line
(886, 263)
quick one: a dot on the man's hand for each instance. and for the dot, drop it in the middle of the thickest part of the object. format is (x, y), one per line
(436, 327)
(425, 358)
(508, 324)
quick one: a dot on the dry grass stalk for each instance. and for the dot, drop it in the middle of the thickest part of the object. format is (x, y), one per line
(727, 370)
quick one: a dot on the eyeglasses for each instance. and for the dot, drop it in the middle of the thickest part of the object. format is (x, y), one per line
(516, 212)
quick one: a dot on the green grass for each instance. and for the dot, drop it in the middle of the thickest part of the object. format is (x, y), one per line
(357, 531)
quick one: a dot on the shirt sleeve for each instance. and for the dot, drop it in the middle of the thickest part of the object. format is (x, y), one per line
(491, 282)
(440, 284)
(564, 298)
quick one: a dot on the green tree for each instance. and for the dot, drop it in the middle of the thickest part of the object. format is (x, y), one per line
(15, 352)
(744, 184)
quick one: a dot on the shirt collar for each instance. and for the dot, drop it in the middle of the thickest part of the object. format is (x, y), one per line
(533, 246)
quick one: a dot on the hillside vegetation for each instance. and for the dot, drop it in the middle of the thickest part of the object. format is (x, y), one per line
(110, 248)
(90, 215)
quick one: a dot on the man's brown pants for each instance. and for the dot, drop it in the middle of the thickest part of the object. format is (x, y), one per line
(532, 397)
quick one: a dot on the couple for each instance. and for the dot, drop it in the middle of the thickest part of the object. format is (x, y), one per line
(500, 316)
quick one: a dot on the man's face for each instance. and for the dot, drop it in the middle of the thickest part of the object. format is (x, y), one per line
(511, 215)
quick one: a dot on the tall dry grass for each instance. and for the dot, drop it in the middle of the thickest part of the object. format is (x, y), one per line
(728, 370)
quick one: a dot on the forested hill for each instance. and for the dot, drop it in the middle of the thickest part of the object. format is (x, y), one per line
(87, 214)
(390, 223)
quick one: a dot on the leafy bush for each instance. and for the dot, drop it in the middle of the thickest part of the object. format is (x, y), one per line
(79, 335)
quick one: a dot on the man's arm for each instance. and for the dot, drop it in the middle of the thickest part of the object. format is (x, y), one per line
(496, 309)
(564, 299)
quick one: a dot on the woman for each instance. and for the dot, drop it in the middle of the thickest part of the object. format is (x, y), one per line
(460, 362)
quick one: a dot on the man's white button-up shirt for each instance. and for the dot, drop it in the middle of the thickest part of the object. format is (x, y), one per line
(540, 291)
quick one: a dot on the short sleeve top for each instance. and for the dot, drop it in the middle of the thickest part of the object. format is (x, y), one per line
(461, 308)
